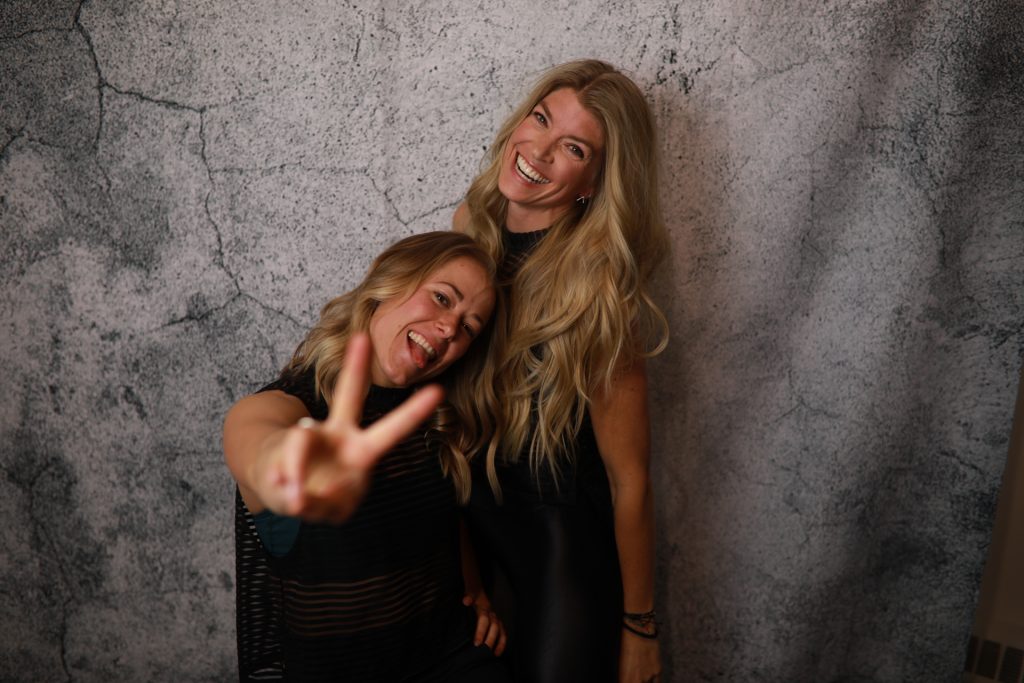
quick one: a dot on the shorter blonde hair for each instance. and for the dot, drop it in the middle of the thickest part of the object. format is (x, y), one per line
(460, 426)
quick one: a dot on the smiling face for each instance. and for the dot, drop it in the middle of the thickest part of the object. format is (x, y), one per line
(552, 157)
(419, 337)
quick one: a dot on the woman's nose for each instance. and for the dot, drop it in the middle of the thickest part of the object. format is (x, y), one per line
(446, 326)
(541, 148)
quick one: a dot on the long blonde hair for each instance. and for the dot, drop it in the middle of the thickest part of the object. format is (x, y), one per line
(577, 310)
(462, 424)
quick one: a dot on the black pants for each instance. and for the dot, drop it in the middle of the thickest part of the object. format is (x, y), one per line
(467, 664)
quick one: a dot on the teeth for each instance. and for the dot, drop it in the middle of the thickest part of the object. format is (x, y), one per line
(423, 344)
(529, 171)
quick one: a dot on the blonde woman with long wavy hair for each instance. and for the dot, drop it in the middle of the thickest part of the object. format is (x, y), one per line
(561, 504)
(349, 557)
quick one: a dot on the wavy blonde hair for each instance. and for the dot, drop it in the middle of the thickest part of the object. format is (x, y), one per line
(578, 309)
(459, 426)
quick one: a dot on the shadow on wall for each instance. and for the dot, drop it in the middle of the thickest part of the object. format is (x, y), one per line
(901, 534)
(879, 526)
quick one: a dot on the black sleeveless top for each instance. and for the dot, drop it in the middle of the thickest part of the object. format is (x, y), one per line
(552, 543)
(583, 469)
(376, 598)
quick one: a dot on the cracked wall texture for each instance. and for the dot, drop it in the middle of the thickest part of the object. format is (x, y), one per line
(184, 182)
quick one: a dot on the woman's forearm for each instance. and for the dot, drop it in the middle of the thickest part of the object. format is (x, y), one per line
(621, 425)
(254, 432)
(634, 537)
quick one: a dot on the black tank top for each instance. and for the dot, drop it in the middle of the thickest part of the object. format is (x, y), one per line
(583, 468)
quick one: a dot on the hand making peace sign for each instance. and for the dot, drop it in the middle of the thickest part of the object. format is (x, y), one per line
(320, 471)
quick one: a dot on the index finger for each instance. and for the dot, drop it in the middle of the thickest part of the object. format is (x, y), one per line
(483, 625)
(351, 385)
(379, 437)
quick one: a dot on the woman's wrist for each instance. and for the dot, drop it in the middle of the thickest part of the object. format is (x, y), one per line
(268, 453)
(642, 624)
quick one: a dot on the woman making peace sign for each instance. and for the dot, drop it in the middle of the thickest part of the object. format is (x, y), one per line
(347, 537)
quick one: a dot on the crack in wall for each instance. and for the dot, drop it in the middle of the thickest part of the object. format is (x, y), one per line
(449, 205)
(218, 259)
(219, 253)
(274, 311)
(192, 317)
(279, 168)
(64, 638)
(394, 209)
(33, 32)
(388, 200)
(87, 37)
(102, 82)
(359, 39)
(10, 143)
(269, 349)
(39, 528)
(107, 184)
(170, 104)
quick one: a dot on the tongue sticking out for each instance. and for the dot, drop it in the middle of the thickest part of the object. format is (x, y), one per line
(419, 356)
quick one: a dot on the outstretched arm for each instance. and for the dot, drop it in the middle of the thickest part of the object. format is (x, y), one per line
(621, 425)
(285, 461)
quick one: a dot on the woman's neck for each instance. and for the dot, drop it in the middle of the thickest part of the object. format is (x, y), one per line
(523, 219)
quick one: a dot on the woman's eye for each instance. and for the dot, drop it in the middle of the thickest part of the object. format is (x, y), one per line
(576, 151)
(540, 118)
(469, 330)
(441, 298)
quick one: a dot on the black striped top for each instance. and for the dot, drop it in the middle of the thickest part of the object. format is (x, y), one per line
(377, 598)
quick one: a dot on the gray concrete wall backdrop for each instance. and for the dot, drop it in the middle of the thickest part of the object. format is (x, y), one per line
(184, 182)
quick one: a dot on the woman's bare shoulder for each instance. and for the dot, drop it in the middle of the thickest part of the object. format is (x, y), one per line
(460, 219)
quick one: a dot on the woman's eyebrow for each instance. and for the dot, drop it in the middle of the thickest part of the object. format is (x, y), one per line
(577, 138)
(458, 293)
(547, 112)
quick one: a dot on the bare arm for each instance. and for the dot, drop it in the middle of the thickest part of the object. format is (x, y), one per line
(255, 430)
(622, 427)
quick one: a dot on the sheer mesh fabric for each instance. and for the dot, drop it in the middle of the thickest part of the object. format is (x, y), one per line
(377, 598)
(257, 604)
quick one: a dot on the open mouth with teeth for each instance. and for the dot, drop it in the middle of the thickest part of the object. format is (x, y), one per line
(529, 172)
(422, 352)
